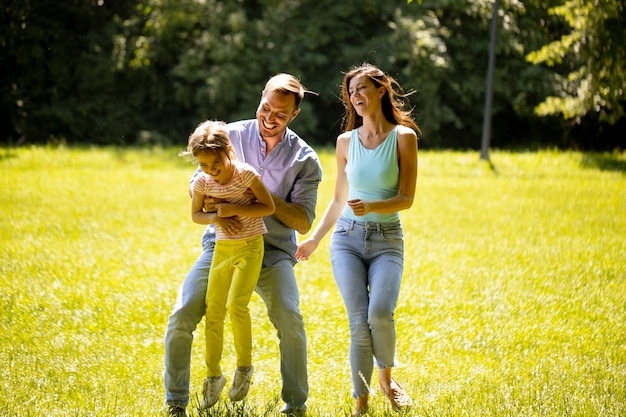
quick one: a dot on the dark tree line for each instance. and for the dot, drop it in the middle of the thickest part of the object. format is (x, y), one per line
(147, 71)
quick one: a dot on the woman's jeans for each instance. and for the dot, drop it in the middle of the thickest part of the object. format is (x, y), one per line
(278, 289)
(367, 261)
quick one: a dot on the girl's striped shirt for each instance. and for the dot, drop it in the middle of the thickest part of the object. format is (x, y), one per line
(233, 192)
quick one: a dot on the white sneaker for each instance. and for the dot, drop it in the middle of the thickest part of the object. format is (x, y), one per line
(241, 384)
(211, 389)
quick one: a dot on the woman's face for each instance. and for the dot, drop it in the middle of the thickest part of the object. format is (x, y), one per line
(215, 164)
(364, 96)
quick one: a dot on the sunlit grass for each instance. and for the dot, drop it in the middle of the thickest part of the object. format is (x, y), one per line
(513, 300)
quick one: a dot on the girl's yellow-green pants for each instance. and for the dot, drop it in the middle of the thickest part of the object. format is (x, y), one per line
(233, 276)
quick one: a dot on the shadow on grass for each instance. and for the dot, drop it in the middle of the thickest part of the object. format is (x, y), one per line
(224, 408)
(604, 162)
(489, 165)
(6, 155)
(234, 409)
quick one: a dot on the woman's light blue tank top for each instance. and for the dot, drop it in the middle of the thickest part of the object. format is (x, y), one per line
(373, 174)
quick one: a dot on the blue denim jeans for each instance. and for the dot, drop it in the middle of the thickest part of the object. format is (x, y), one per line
(278, 289)
(367, 261)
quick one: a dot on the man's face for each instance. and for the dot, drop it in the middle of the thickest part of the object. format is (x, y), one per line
(275, 112)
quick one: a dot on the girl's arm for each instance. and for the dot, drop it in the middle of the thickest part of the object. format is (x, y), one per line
(335, 206)
(263, 206)
(197, 215)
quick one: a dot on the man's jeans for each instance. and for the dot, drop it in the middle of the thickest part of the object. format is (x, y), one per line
(278, 289)
(367, 262)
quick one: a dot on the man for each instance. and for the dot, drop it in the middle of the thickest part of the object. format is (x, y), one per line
(292, 172)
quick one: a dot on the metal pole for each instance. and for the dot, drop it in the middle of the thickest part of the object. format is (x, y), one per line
(484, 149)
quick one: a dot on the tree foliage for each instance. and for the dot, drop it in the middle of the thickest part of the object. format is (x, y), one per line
(60, 79)
(147, 71)
(596, 81)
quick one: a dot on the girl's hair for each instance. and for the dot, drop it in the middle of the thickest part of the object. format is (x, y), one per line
(209, 135)
(393, 102)
(287, 84)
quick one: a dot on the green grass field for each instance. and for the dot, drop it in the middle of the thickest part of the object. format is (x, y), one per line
(513, 300)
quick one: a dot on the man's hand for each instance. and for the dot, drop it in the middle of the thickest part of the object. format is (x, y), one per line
(230, 225)
(210, 204)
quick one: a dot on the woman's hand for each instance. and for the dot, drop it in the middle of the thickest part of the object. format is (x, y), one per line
(306, 249)
(359, 207)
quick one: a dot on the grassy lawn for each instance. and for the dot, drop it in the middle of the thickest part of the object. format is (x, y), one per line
(513, 300)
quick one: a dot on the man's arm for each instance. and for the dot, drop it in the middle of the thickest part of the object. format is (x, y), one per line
(291, 215)
(297, 210)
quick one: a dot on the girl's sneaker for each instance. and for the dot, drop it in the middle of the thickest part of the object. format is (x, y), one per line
(241, 383)
(212, 389)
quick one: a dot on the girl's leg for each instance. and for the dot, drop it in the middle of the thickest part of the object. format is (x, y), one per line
(217, 293)
(247, 260)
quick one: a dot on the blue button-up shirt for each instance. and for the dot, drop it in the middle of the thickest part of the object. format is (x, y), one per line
(292, 171)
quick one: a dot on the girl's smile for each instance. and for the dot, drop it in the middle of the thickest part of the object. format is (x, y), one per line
(216, 164)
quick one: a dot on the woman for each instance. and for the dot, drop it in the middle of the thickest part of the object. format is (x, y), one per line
(376, 178)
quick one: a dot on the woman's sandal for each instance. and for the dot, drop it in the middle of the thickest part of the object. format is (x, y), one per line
(359, 413)
(397, 395)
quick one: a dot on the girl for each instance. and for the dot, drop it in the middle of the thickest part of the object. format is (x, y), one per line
(238, 253)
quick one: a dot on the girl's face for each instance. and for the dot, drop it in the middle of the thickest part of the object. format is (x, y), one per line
(364, 96)
(216, 164)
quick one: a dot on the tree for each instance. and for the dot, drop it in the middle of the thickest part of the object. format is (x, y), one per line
(59, 82)
(597, 81)
(147, 71)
